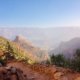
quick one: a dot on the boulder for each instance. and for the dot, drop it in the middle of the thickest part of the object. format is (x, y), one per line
(58, 75)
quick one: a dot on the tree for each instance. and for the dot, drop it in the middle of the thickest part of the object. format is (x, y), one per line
(60, 60)
(9, 53)
(75, 64)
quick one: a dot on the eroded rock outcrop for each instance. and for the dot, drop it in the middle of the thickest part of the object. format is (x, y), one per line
(11, 73)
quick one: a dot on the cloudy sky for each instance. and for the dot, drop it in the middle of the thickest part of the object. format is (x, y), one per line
(39, 13)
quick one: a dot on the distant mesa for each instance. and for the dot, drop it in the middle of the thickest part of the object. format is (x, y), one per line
(22, 38)
(25, 44)
(67, 48)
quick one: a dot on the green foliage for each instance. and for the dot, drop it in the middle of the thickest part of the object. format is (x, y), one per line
(75, 64)
(59, 60)
(2, 61)
(13, 51)
(48, 62)
(9, 54)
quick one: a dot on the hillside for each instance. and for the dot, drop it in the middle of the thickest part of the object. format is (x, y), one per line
(68, 48)
(24, 43)
(12, 49)
(17, 69)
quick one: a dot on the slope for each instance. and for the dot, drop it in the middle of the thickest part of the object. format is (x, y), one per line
(41, 55)
(11, 48)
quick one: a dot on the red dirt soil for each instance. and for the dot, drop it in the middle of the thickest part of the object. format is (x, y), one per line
(43, 72)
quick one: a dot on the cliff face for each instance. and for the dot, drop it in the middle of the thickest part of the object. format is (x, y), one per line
(67, 48)
(40, 54)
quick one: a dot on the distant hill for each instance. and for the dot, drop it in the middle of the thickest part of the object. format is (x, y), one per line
(41, 55)
(46, 38)
(68, 48)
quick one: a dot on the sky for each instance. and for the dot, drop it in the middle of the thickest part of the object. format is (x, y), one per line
(39, 13)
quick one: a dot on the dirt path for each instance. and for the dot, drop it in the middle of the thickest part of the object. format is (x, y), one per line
(28, 72)
(40, 72)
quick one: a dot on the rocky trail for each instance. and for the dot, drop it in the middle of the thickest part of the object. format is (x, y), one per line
(21, 71)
